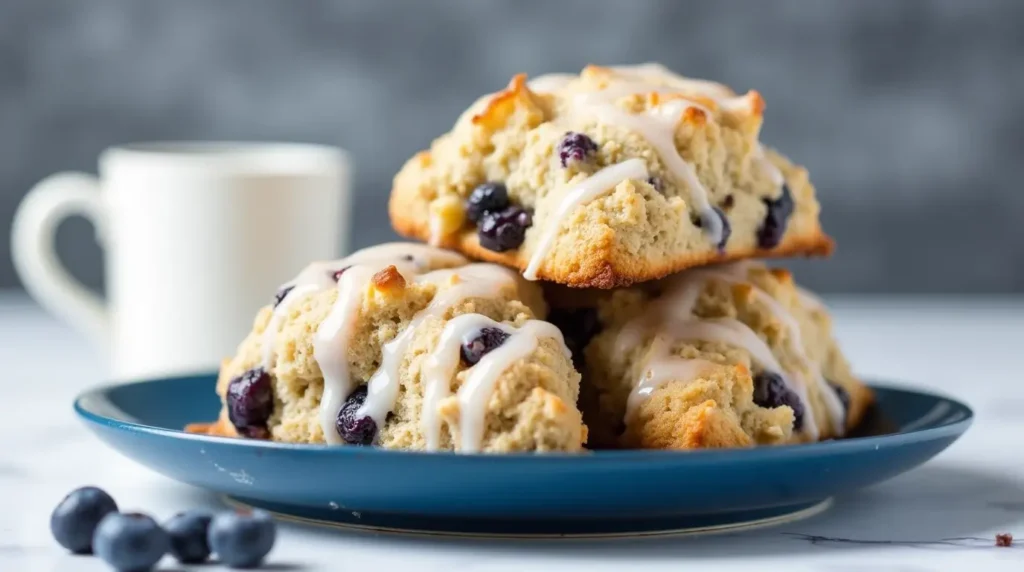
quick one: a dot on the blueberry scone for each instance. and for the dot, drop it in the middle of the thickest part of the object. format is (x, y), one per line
(730, 355)
(613, 177)
(404, 346)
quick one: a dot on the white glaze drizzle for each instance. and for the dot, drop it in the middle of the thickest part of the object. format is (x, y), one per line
(476, 391)
(658, 126)
(585, 191)
(407, 257)
(833, 406)
(331, 340)
(660, 368)
(439, 368)
(471, 281)
(671, 317)
(330, 348)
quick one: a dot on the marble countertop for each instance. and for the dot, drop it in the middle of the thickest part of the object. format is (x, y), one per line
(942, 516)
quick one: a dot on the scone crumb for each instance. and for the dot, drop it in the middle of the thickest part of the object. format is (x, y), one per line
(1004, 540)
(389, 280)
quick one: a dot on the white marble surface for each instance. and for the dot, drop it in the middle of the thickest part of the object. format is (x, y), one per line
(942, 516)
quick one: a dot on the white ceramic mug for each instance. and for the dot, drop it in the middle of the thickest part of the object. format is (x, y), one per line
(197, 237)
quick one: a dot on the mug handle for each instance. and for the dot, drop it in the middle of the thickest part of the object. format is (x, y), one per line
(52, 200)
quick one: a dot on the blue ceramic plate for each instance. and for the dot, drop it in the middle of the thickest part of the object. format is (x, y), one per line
(599, 493)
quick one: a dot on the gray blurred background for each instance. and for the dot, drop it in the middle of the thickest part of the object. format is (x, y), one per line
(909, 114)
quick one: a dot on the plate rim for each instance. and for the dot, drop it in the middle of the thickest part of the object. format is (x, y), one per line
(953, 428)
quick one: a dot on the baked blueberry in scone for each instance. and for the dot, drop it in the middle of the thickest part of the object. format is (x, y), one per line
(404, 346)
(730, 355)
(611, 177)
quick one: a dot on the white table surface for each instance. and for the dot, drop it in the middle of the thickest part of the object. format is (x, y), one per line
(972, 349)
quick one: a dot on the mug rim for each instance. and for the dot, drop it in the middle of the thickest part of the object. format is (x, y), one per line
(263, 157)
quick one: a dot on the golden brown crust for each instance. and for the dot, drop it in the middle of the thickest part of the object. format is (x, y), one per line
(604, 271)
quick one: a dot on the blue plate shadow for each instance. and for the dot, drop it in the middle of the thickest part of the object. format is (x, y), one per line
(598, 493)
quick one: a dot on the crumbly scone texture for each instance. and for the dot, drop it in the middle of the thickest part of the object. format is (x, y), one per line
(715, 408)
(532, 407)
(633, 233)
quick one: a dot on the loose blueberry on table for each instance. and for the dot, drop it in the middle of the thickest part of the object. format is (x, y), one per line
(575, 148)
(187, 531)
(250, 401)
(130, 542)
(75, 519)
(242, 539)
(770, 390)
(352, 428)
(482, 343)
(774, 225)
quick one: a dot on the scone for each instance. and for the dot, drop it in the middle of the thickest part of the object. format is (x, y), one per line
(613, 177)
(731, 355)
(405, 346)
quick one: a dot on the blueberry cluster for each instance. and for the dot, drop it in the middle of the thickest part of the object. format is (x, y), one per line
(501, 226)
(770, 390)
(481, 344)
(352, 428)
(250, 401)
(769, 235)
(87, 521)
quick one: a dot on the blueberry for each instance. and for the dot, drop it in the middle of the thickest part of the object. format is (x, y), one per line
(578, 327)
(657, 183)
(241, 539)
(188, 536)
(844, 398)
(353, 429)
(482, 343)
(774, 226)
(770, 390)
(726, 227)
(575, 148)
(250, 401)
(279, 297)
(74, 520)
(505, 229)
(486, 197)
(130, 542)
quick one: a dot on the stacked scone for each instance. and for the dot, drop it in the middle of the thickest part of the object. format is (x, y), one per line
(640, 198)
